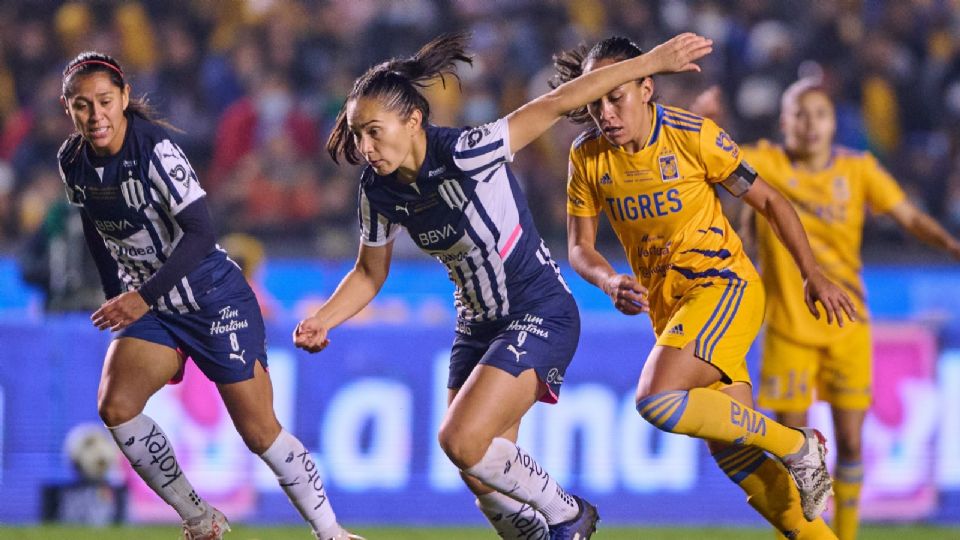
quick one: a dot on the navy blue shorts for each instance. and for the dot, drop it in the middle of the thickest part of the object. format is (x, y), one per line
(225, 338)
(543, 338)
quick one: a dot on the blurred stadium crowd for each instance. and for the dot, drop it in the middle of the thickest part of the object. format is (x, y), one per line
(255, 86)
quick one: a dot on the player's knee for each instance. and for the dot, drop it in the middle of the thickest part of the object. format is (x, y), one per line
(259, 438)
(463, 448)
(661, 408)
(115, 410)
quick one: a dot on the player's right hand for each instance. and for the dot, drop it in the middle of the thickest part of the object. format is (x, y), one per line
(629, 297)
(311, 335)
(680, 52)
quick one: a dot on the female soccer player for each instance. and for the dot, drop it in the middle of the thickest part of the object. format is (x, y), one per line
(652, 168)
(831, 187)
(170, 289)
(517, 325)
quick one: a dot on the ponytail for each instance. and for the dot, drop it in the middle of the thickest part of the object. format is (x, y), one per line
(396, 83)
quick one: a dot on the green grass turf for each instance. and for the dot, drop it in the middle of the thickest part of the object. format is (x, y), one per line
(381, 533)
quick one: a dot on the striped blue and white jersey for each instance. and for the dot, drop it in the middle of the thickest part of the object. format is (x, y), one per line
(132, 198)
(466, 210)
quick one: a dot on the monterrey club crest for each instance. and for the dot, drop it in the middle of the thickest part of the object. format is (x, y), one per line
(132, 190)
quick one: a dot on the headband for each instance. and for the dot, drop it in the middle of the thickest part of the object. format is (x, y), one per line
(87, 62)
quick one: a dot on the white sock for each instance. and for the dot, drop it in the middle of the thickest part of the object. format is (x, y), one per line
(513, 519)
(511, 471)
(150, 453)
(300, 479)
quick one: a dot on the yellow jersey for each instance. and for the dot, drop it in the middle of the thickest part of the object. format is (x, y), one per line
(662, 205)
(831, 204)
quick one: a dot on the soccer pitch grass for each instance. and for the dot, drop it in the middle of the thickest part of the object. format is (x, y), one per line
(381, 533)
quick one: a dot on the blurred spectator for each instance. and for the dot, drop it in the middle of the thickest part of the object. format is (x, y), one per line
(255, 86)
(249, 255)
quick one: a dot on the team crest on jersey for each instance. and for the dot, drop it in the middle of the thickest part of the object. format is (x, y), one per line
(132, 190)
(841, 189)
(669, 170)
(605, 179)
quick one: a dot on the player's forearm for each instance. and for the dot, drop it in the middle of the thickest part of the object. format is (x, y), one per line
(355, 291)
(591, 86)
(786, 225)
(530, 121)
(927, 230)
(591, 265)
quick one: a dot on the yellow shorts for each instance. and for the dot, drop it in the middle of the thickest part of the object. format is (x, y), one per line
(723, 321)
(840, 374)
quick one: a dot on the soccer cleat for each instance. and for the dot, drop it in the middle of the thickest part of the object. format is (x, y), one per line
(580, 527)
(210, 526)
(342, 535)
(808, 467)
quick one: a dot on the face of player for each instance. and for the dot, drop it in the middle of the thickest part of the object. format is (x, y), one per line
(386, 140)
(809, 124)
(622, 115)
(96, 107)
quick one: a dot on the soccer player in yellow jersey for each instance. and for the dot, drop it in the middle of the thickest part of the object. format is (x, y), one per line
(652, 170)
(831, 188)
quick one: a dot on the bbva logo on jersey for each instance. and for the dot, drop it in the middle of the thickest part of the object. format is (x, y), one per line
(132, 190)
(669, 170)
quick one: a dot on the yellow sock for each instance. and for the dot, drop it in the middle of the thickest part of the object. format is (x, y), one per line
(846, 499)
(771, 492)
(711, 414)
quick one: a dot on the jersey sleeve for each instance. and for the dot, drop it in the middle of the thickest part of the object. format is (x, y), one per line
(74, 195)
(718, 153)
(582, 199)
(171, 175)
(882, 190)
(375, 228)
(480, 151)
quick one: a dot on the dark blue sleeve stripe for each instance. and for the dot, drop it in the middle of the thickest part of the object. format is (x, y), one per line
(478, 170)
(691, 116)
(678, 126)
(374, 226)
(656, 126)
(166, 178)
(479, 151)
(683, 121)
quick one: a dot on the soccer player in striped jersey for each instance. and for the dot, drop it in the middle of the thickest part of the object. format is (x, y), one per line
(517, 323)
(831, 188)
(652, 169)
(169, 289)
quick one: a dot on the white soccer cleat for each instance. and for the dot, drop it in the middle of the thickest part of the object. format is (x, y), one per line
(210, 526)
(342, 535)
(808, 467)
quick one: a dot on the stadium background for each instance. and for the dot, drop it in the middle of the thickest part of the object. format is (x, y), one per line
(255, 87)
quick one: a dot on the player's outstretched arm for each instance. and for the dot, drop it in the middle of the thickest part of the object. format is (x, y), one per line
(628, 296)
(354, 292)
(674, 56)
(786, 224)
(924, 228)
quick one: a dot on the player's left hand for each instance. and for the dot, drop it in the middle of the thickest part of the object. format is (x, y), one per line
(835, 301)
(120, 311)
(628, 295)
